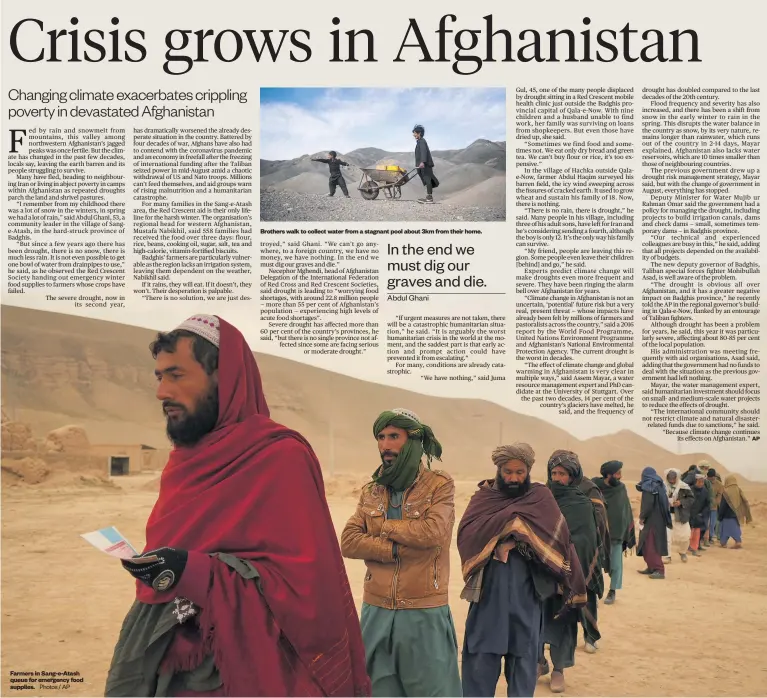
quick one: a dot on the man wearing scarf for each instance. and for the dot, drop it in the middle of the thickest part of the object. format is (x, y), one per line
(705, 533)
(516, 553)
(560, 630)
(717, 489)
(402, 529)
(620, 519)
(680, 498)
(241, 590)
(698, 514)
(733, 509)
(588, 488)
(655, 519)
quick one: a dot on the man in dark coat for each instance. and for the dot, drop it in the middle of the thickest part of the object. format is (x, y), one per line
(699, 514)
(620, 519)
(424, 164)
(655, 518)
(560, 629)
(336, 178)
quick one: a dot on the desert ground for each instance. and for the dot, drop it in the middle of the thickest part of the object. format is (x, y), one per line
(700, 632)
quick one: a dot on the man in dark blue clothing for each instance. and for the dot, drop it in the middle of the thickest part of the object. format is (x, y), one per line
(336, 178)
(424, 164)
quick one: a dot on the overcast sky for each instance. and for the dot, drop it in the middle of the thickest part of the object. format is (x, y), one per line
(297, 121)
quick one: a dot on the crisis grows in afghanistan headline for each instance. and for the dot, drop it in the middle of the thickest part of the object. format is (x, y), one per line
(32, 41)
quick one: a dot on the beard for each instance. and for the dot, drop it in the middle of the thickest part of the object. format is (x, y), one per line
(388, 454)
(189, 428)
(613, 482)
(516, 489)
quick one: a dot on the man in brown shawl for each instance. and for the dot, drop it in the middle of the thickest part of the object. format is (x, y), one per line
(733, 509)
(515, 553)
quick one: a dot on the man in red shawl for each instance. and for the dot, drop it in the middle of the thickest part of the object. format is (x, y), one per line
(241, 589)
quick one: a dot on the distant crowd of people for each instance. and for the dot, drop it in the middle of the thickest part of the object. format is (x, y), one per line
(242, 590)
(691, 511)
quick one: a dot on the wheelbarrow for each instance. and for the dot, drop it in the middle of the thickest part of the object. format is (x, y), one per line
(388, 179)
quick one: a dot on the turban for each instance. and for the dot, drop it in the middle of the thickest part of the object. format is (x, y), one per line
(516, 451)
(569, 461)
(420, 441)
(610, 468)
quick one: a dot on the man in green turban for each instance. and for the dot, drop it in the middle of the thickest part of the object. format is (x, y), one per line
(402, 529)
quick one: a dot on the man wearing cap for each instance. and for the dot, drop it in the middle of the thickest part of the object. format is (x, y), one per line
(620, 519)
(336, 179)
(516, 555)
(402, 529)
(241, 589)
(699, 514)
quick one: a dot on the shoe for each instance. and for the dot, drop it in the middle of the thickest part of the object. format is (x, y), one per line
(696, 553)
(610, 600)
(346, 196)
(667, 560)
(557, 682)
(657, 575)
(647, 571)
(590, 648)
(737, 546)
(543, 668)
(706, 544)
(683, 556)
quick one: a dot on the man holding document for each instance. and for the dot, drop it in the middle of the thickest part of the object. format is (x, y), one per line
(241, 590)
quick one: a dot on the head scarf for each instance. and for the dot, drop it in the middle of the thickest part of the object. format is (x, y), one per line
(569, 461)
(228, 494)
(673, 491)
(610, 468)
(517, 451)
(420, 441)
(736, 499)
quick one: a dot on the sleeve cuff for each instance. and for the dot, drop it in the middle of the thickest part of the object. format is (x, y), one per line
(195, 581)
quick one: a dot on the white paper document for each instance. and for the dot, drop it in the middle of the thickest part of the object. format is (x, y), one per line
(110, 541)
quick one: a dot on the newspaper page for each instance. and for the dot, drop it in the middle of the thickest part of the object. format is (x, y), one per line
(535, 224)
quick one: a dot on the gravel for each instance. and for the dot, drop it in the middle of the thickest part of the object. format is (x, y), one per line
(294, 206)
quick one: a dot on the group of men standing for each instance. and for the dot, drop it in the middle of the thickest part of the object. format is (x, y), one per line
(685, 514)
(241, 589)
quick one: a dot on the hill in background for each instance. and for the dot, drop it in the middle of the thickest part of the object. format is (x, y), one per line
(460, 172)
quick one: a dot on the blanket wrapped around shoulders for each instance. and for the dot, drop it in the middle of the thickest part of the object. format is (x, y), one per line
(539, 531)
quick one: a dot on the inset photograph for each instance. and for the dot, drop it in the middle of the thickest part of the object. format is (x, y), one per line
(383, 154)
